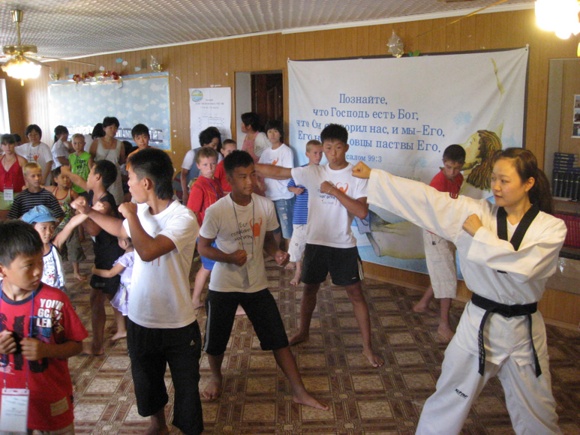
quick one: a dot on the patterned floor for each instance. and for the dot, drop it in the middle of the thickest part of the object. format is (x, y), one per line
(363, 400)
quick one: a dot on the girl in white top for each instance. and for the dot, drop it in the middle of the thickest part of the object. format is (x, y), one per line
(111, 149)
(500, 332)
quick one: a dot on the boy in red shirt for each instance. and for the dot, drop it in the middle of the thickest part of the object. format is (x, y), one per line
(440, 253)
(204, 192)
(39, 330)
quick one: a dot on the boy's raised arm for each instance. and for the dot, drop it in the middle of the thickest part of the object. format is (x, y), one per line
(271, 171)
(149, 248)
(110, 224)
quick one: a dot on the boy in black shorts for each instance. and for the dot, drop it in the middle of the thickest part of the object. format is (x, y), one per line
(334, 198)
(241, 224)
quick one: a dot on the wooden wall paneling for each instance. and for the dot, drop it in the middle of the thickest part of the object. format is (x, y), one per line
(15, 97)
(452, 36)
(467, 33)
(377, 40)
(436, 36)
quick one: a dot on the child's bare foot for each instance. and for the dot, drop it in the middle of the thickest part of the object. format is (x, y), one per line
(119, 335)
(213, 389)
(80, 277)
(423, 309)
(445, 332)
(240, 311)
(307, 400)
(297, 338)
(374, 359)
(90, 349)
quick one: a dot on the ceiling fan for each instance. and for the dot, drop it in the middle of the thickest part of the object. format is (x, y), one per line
(21, 61)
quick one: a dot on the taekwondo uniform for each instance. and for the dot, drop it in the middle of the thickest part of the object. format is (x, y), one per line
(507, 283)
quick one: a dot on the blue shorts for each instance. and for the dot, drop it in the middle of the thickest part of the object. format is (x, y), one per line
(285, 213)
(206, 262)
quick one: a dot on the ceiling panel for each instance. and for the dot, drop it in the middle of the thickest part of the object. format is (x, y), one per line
(73, 28)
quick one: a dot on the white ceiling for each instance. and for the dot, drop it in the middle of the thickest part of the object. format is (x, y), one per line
(76, 28)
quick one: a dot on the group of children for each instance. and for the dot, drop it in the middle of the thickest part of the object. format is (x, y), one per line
(232, 231)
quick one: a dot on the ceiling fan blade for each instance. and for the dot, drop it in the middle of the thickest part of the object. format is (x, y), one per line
(55, 59)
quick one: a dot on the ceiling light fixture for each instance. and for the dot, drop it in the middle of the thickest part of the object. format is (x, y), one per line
(558, 16)
(22, 68)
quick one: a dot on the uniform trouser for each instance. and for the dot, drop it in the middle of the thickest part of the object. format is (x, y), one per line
(529, 400)
(150, 351)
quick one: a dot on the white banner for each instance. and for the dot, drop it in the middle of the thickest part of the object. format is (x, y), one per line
(401, 114)
(210, 107)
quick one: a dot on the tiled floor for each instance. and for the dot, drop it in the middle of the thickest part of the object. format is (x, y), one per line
(362, 399)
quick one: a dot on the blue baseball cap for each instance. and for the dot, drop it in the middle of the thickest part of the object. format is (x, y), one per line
(40, 213)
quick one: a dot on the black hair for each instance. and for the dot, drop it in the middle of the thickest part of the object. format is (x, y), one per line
(236, 159)
(252, 119)
(454, 153)
(55, 172)
(275, 124)
(334, 132)
(140, 129)
(110, 120)
(8, 139)
(58, 130)
(98, 131)
(18, 238)
(31, 128)
(156, 165)
(17, 137)
(206, 152)
(209, 134)
(128, 146)
(526, 166)
(108, 172)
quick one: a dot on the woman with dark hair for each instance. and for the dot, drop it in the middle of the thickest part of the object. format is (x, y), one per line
(507, 251)
(255, 141)
(111, 149)
(37, 151)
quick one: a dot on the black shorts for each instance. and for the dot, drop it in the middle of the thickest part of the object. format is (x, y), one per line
(260, 308)
(151, 350)
(108, 286)
(343, 264)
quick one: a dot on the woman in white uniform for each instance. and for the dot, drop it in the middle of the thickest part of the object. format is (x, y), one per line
(507, 251)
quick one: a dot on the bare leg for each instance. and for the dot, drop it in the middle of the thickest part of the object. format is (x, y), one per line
(296, 279)
(158, 424)
(307, 306)
(361, 313)
(444, 328)
(98, 319)
(76, 271)
(423, 305)
(213, 390)
(287, 363)
(200, 278)
(121, 326)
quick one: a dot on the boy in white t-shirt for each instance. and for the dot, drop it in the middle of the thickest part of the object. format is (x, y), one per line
(241, 225)
(279, 154)
(162, 324)
(335, 197)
